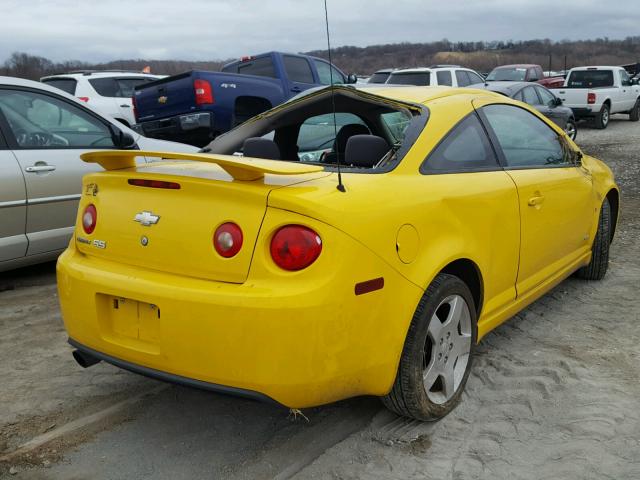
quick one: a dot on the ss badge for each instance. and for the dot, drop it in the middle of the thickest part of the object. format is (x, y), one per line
(100, 244)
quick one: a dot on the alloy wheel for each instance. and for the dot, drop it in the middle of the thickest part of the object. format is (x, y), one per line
(446, 352)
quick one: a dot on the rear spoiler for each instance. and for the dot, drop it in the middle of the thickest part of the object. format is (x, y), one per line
(240, 168)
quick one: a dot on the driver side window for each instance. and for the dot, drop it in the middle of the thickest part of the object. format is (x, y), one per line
(40, 121)
(525, 140)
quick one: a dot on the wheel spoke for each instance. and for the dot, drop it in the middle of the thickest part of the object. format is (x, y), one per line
(435, 328)
(430, 375)
(455, 313)
(448, 382)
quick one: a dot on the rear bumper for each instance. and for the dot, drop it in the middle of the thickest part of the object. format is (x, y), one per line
(584, 112)
(167, 377)
(179, 125)
(302, 342)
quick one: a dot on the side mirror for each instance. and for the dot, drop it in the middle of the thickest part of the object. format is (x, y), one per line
(635, 81)
(557, 101)
(124, 140)
(578, 159)
(352, 78)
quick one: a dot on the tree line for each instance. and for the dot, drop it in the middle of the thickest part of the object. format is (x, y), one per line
(481, 56)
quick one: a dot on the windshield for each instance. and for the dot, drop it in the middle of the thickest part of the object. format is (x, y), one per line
(591, 78)
(507, 74)
(308, 131)
(417, 78)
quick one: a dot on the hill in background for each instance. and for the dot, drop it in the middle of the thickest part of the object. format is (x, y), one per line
(481, 56)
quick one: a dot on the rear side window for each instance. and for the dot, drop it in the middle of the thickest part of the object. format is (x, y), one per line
(444, 78)
(107, 87)
(65, 84)
(117, 87)
(462, 78)
(529, 96)
(465, 148)
(421, 79)
(591, 79)
(298, 69)
(262, 67)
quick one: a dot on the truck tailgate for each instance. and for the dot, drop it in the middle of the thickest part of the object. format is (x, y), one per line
(167, 97)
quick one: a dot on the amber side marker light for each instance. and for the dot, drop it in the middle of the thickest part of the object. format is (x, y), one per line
(369, 286)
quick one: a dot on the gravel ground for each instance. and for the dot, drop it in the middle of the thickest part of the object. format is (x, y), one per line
(554, 392)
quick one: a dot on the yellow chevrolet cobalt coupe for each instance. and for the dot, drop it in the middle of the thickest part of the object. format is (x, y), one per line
(254, 268)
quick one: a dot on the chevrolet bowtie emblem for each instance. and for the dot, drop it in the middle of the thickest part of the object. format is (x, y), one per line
(146, 219)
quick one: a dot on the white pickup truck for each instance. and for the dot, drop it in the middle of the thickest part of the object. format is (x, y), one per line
(598, 92)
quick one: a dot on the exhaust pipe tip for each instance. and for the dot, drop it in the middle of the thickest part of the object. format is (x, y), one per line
(84, 359)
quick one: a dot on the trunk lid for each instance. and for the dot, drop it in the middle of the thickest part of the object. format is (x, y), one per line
(171, 229)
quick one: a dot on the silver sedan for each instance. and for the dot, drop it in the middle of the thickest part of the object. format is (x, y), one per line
(43, 131)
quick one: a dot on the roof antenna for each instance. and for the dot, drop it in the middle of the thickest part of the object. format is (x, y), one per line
(333, 101)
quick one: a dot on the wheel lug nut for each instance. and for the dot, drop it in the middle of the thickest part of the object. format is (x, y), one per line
(448, 334)
(446, 358)
(451, 346)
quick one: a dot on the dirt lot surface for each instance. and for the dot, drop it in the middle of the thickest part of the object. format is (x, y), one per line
(554, 393)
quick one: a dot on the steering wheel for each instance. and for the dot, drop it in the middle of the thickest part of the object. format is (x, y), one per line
(39, 139)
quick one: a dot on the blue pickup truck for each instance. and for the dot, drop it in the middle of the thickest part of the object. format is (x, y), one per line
(194, 107)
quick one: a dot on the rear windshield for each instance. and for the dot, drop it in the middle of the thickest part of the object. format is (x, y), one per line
(379, 77)
(418, 78)
(66, 84)
(508, 74)
(262, 67)
(591, 78)
(117, 87)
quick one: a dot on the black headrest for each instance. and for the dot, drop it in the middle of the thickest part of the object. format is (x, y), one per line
(346, 132)
(261, 148)
(365, 150)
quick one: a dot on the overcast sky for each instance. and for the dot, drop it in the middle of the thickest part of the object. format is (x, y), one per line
(99, 30)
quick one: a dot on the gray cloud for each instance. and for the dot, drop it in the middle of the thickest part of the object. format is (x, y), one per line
(215, 29)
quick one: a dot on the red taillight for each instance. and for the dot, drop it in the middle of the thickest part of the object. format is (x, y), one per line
(246, 58)
(84, 99)
(591, 98)
(89, 219)
(135, 107)
(295, 247)
(203, 92)
(140, 182)
(227, 239)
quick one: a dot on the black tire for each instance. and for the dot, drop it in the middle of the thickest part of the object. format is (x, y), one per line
(634, 114)
(602, 120)
(597, 268)
(408, 396)
(571, 129)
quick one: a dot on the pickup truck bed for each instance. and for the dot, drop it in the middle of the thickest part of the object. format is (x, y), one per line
(194, 107)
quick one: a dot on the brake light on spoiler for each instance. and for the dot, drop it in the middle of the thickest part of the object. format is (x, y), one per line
(140, 182)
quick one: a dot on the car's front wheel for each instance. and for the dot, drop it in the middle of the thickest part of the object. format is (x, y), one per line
(438, 352)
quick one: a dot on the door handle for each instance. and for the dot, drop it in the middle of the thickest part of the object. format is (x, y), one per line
(40, 168)
(536, 200)
(125, 106)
